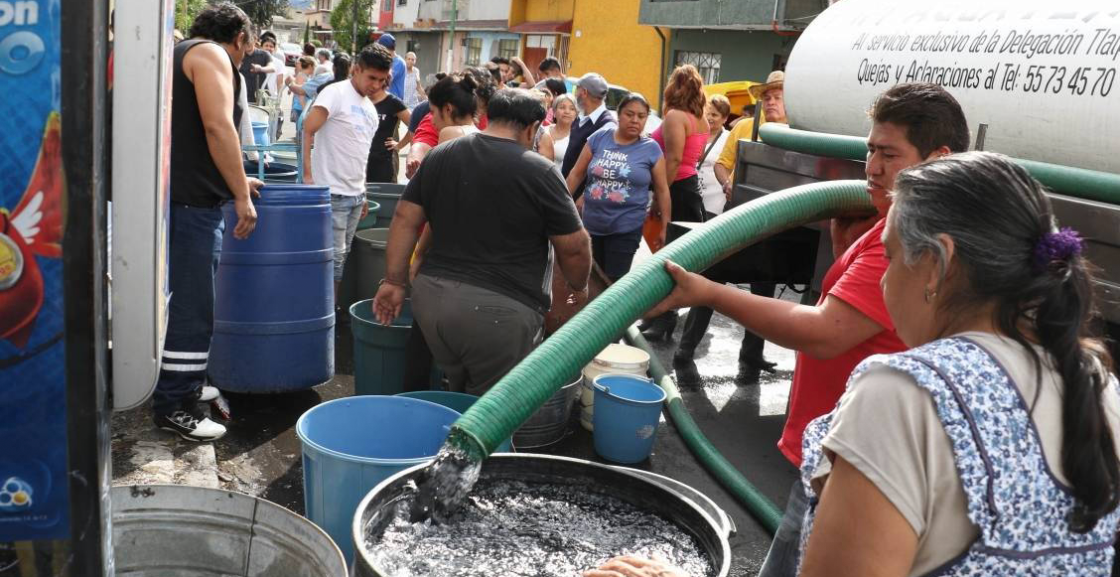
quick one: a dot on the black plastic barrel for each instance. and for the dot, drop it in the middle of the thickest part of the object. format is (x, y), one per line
(274, 305)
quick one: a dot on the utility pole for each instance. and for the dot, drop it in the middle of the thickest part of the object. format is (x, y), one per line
(451, 37)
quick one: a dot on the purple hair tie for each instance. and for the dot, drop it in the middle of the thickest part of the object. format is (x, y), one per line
(1056, 247)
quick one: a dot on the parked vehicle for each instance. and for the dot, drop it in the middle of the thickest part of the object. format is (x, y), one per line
(292, 52)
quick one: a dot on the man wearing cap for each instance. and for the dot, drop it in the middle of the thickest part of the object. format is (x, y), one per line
(751, 361)
(400, 68)
(591, 90)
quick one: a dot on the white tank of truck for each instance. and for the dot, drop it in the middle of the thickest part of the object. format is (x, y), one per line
(1041, 75)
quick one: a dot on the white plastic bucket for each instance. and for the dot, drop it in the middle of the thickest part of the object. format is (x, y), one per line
(616, 358)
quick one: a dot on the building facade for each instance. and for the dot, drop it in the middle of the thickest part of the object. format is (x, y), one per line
(545, 29)
(730, 41)
(606, 38)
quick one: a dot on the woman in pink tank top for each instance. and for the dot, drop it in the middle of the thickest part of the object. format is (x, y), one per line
(682, 137)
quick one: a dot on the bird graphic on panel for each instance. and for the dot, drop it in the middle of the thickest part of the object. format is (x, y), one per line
(33, 228)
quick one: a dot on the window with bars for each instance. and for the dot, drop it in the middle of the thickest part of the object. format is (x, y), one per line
(508, 48)
(474, 51)
(706, 62)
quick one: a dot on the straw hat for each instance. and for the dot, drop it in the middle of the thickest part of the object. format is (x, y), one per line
(776, 79)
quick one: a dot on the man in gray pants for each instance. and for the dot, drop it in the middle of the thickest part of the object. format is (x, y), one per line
(499, 213)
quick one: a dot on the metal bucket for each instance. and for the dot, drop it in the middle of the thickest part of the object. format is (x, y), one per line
(180, 531)
(551, 423)
(624, 484)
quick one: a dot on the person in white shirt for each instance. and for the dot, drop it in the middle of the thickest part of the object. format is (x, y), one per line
(275, 79)
(341, 125)
(711, 191)
(413, 89)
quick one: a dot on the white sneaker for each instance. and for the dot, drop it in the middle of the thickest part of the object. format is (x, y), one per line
(209, 393)
(190, 426)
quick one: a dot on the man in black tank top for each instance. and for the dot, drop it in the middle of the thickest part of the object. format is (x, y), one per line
(206, 172)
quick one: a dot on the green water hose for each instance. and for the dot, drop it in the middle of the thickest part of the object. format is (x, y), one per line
(762, 509)
(1076, 182)
(495, 416)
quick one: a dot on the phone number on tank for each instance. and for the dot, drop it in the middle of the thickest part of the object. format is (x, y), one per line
(1094, 81)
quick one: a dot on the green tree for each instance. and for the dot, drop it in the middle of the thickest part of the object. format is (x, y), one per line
(262, 11)
(259, 11)
(306, 33)
(342, 22)
(185, 12)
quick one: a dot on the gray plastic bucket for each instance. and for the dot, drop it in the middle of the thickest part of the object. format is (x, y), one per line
(180, 531)
(368, 254)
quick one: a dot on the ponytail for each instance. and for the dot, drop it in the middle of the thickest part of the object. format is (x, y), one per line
(1088, 447)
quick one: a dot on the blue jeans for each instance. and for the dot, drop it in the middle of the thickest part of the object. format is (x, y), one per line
(615, 252)
(195, 247)
(346, 211)
(785, 549)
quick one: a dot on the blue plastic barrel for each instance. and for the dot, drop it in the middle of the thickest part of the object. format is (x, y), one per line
(627, 412)
(274, 304)
(352, 444)
(260, 133)
(458, 402)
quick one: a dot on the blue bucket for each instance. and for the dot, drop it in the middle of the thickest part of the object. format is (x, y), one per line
(458, 402)
(352, 444)
(627, 411)
(260, 133)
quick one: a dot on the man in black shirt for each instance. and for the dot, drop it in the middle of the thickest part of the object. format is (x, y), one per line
(206, 172)
(497, 210)
(255, 68)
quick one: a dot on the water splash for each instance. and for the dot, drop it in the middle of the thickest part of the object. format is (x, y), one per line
(443, 486)
(527, 529)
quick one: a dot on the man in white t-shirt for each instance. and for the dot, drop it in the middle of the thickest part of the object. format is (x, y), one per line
(413, 88)
(341, 124)
(275, 79)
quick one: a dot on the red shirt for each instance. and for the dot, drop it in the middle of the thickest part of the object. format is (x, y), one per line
(426, 132)
(818, 384)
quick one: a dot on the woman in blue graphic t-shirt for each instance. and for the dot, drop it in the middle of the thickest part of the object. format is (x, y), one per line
(620, 166)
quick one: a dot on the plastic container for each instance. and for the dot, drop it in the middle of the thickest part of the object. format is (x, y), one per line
(550, 424)
(710, 536)
(352, 444)
(347, 288)
(273, 171)
(274, 309)
(260, 133)
(368, 255)
(458, 402)
(177, 530)
(627, 413)
(370, 221)
(616, 358)
(387, 195)
(379, 358)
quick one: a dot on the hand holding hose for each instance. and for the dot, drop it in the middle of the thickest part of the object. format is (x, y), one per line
(691, 290)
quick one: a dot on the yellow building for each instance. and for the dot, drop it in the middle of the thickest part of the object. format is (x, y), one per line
(606, 38)
(545, 27)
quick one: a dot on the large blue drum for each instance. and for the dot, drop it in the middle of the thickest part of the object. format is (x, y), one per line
(274, 303)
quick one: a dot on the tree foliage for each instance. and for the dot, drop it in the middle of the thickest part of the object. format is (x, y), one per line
(342, 22)
(260, 12)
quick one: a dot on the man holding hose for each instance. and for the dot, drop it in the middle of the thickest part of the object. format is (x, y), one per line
(911, 124)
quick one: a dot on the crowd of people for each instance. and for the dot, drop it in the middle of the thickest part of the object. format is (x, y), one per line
(951, 409)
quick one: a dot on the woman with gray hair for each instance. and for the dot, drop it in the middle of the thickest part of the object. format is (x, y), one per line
(989, 447)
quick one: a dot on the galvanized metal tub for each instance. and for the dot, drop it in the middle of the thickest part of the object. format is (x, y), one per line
(626, 484)
(551, 423)
(180, 531)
